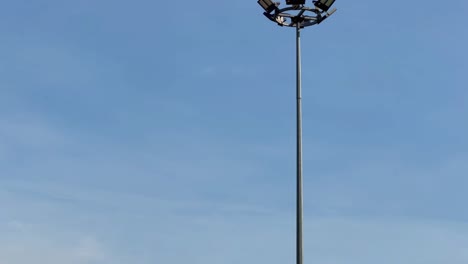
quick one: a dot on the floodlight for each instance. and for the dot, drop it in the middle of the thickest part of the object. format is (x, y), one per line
(280, 20)
(268, 5)
(329, 13)
(323, 4)
(295, 2)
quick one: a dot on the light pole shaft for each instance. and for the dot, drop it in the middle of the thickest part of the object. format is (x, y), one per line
(299, 255)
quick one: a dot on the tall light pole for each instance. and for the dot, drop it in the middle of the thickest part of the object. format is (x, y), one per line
(299, 16)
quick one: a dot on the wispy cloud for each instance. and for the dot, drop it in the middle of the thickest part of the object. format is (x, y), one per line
(23, 243)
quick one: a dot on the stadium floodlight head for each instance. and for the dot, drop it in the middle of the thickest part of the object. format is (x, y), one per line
(324, 4)
(268, 5)
(295, 2)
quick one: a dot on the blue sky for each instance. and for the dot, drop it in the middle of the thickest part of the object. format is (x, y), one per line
(151, 132)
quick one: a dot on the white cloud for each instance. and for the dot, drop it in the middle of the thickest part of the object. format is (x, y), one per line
(389, 240)
(17, 226)
(29, 131)
(213, 232)
(43, 247)
(88, 248)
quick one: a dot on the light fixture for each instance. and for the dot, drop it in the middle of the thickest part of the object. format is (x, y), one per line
(280, 20)
(323, 4)
(268, 5)
(295, 2)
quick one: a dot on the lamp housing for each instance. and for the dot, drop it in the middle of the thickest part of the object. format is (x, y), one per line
(323, 4)
(295, 2)
(268, 5)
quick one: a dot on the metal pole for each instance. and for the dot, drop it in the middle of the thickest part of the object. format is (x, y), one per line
(299, 254)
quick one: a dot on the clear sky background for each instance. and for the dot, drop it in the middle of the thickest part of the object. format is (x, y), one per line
(146, 132)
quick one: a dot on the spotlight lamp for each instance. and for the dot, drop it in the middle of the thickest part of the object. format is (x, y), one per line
(295, 2)
(268, 5)
(323, 4)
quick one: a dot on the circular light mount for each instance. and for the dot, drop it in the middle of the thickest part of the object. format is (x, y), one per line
(297, 14)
